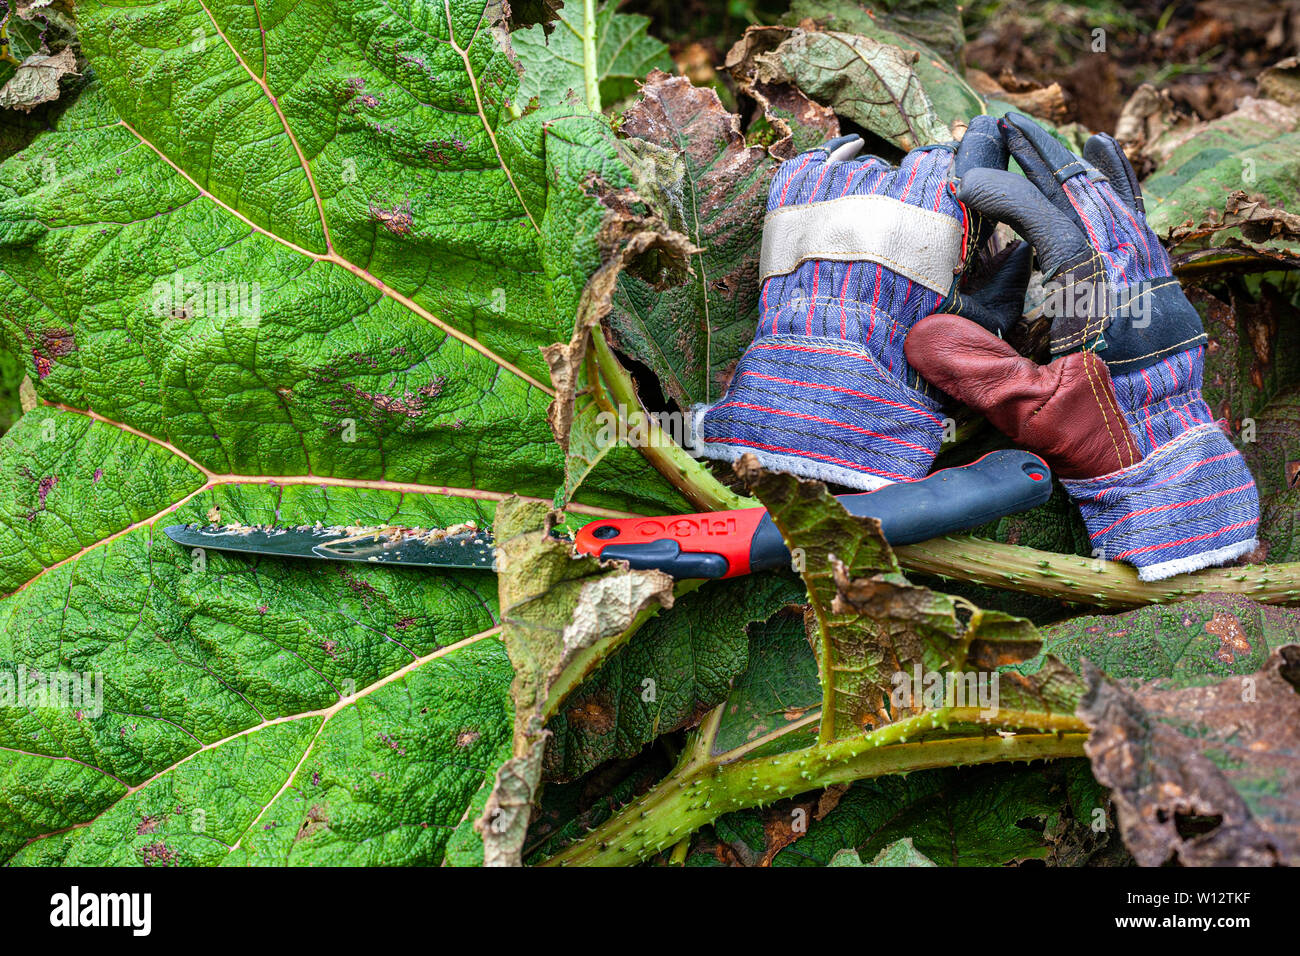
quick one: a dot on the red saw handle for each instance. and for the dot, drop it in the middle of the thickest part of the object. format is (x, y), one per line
(713, 544)
(724, 544)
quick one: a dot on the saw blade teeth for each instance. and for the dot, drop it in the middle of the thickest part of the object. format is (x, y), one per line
(462, 533)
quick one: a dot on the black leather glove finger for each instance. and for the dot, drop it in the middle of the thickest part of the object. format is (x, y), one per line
(981, 147)
(1016, 201)
(1106, 154)
(992, 293)
(1046, 162)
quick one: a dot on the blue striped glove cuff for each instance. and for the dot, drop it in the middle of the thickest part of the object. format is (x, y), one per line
(1189, 504)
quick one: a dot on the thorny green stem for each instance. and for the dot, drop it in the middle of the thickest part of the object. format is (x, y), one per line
(678, 857)
(699, 790)
(1215, 261)
(687, 474)
(590, 72)
(1105, 584)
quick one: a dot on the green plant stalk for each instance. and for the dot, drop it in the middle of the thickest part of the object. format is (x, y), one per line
(5, 54)
(680, 852)
(688, 475)
(1105, 584)
(590, 77)
(699, 790)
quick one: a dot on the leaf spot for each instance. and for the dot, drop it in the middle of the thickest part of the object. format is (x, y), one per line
(1231, 635)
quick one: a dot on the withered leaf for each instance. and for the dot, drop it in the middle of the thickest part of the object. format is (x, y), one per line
(36, 80)
(1202, 775)
(874, 84)
(708, 185)
(560, 616)
(874, 633)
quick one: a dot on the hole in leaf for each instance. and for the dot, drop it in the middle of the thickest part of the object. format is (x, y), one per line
(1191, 825)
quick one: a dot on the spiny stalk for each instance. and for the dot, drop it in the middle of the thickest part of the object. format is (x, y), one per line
(688, 475)
(698, 791)
(1105, 584)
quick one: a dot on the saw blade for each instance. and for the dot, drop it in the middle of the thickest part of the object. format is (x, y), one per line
(460, 546)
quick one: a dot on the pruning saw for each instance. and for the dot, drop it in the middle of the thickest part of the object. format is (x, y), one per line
(718, 544)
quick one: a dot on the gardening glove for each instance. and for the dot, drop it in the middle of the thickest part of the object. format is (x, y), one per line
(855, 251)
(1120, 417)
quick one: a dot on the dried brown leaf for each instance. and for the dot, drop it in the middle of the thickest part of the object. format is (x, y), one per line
(1202, 774)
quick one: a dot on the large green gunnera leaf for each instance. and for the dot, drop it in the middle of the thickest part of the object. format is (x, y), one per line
(283, 262)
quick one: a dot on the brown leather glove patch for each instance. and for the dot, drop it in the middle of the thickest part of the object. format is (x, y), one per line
(1066, 411)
